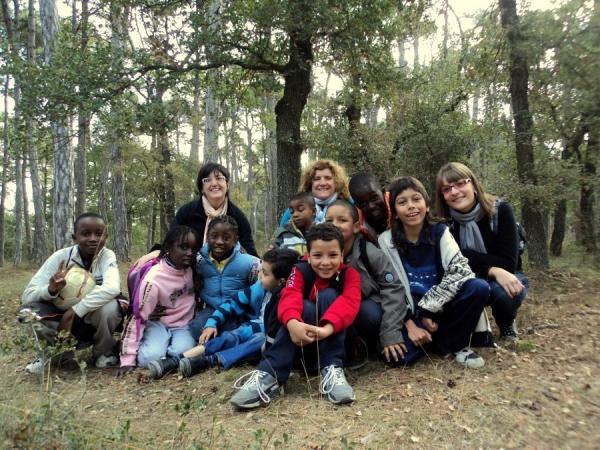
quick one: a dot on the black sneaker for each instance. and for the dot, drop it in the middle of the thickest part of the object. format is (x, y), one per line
(508, 334)
(197, 364)
(162, 366)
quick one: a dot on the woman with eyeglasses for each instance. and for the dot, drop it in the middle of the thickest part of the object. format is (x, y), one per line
(214, 201)
(486, 230)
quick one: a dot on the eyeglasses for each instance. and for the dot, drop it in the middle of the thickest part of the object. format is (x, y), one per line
(219, 178)
(446, 189)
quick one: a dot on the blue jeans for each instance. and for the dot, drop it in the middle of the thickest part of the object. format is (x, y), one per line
(159, 340)
(504, 307)
(197, 323)
(280, 357)
(229, 349)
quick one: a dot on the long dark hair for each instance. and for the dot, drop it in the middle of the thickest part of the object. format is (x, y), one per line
(398, 186)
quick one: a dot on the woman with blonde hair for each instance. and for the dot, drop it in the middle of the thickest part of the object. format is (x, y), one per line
(327, 181)
(486, 230)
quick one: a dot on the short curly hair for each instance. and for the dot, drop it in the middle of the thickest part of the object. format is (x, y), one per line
(325, 232)
(340, 178)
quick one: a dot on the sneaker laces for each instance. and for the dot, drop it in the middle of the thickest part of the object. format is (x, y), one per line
(251, 381)
(334, 376)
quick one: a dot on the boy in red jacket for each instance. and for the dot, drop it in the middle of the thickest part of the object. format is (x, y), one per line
(320, 300)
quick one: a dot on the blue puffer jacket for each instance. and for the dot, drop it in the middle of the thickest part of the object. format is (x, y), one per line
(240, 272)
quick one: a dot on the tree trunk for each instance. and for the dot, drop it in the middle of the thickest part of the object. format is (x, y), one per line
(270, 166)
(103, 195)
(40, 248)
(26, 224)
(416, 52)
(5, 164)
(288, 113)
(18, 257)
(531, 209)
(151, 224)
(82, 127)
(445, 38)
(559, 229)
(120, 236)
(402, 63)
(211, 106)
(62, 192)
(195, 119)
(587, 199)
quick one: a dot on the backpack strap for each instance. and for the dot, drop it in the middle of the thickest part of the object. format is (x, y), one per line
(364, 257)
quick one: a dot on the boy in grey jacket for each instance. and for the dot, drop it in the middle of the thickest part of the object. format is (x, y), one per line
(98, 313)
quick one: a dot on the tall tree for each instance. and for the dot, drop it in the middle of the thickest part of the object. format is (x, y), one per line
(62, 191)
(5, 164)
(40, 247)
(531, 208)
(211, 105)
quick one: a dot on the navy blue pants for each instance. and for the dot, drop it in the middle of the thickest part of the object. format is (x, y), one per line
(504, 307)
(367, 323)
(280, 357)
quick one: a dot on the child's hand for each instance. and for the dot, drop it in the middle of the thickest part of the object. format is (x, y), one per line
(123, 370)
(66, 322)
(57, 281)
(394, 352)
(416, 334)
(429, 324)
(207, 334)
(300, 332)
(320, 333)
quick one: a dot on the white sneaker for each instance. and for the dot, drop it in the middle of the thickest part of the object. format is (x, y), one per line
(36, 366)
(102, 361)
(335, 386)
(468, 358)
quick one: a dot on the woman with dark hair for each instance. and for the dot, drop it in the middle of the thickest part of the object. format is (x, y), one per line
(214, 201)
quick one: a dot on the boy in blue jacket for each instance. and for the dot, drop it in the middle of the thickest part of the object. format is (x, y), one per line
(248, 306)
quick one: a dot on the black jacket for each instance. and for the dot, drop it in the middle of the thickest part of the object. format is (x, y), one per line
(192, 214)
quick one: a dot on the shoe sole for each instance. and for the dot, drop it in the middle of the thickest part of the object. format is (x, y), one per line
(342, 401)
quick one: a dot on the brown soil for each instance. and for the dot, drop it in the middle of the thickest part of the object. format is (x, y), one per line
(545, 395)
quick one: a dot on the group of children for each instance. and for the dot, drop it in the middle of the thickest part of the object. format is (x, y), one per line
(380, 275)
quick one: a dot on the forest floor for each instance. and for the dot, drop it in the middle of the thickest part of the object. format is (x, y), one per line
(544, 395)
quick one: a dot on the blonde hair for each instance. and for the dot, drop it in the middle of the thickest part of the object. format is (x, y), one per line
(340, 178)
(452, 172)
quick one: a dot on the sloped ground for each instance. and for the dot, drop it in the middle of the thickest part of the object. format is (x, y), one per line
(545, 395)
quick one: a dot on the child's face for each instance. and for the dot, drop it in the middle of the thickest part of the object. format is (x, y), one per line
(371, 202)
(182, 253)
(267, 279)
(325, 257)
(323, 184)
(221, 239)
(302, 214)
(90, 236)
(411, 209)
(342, 219)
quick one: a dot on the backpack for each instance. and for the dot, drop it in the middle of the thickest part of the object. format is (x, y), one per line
(135, 276)
(271, 322)
(521, 234)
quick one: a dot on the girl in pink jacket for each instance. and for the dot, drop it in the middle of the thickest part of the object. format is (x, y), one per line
(161, 334)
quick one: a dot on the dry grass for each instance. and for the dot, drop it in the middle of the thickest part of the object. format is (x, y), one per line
(546, 395)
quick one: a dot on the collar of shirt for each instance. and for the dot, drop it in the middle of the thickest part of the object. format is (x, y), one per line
(220, 265)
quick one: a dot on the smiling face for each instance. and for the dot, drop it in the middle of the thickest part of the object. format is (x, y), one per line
(459, 195)
(90, 236)
(323, 184)
(411, 209)
(214, 188)
(221, 239)
(325, 257)
(371, 202)
(342, 219)
(182, 253)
